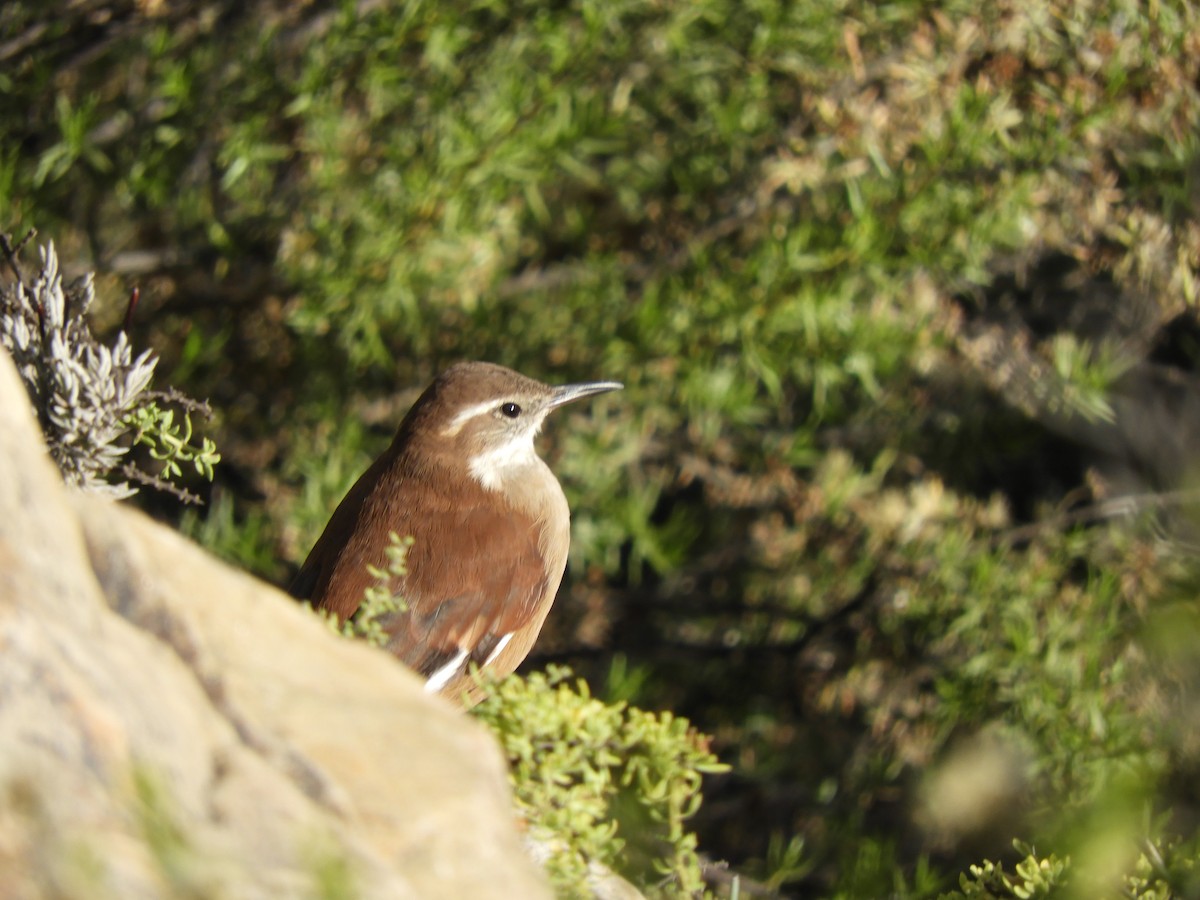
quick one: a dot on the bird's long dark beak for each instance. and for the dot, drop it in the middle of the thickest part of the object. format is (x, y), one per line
(568, 392)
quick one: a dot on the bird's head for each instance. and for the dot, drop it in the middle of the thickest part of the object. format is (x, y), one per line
(490, 415)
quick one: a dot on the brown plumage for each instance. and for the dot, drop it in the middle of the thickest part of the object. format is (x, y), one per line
(490, 525)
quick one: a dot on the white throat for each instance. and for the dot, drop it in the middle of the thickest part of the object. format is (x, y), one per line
(493, 468)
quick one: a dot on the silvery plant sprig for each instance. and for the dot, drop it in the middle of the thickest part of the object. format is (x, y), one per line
(93, 400)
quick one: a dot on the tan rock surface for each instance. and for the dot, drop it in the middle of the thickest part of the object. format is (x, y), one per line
(171, 727)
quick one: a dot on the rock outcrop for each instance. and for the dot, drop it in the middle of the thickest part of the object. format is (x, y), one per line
(170, 727)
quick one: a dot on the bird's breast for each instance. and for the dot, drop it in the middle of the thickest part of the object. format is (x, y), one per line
(534, 494)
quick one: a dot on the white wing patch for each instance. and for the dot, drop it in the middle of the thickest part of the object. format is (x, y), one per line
(500, 645)
(440, 678)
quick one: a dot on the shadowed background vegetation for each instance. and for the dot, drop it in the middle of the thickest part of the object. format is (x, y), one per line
(895, 504)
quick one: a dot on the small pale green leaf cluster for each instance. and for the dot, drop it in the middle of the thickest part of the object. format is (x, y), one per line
(1164, 870)
(382, 598)
(1161, 871)
(1031, 877)
(171, 443)
(1086, 376)
(602, 784)
(92, 400)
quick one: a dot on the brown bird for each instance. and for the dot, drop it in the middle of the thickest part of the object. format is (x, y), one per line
(488, 519)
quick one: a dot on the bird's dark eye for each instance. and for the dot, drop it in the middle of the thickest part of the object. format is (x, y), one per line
(510, 409)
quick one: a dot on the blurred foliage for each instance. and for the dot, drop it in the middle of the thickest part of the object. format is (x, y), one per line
(181, 867)
(895, 501)
(45, 858)
(1158, 873)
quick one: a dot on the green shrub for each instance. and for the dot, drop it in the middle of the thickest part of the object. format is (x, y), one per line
(891, 286)
(601, 783)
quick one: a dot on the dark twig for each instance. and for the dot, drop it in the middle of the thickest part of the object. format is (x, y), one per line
(189, 404)
(29, 236)
(11, 252)
(1111, 508)
(719, 875)
(133, 473)
(10, 255)
(134, 296)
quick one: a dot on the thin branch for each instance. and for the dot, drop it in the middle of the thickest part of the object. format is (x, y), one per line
(1123, 506)
(719, 875)
(133, 473)
(134, 296)
(11, 253)
(189, 404)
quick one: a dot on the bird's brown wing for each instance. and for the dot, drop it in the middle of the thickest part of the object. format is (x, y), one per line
(477, 576)
(334, 577)
(486, 581)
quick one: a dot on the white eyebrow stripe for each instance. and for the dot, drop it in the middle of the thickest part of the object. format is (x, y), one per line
(440, 678)
(466, 415)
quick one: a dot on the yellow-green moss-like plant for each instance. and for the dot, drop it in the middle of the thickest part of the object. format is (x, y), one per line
(1161, 871)
(380, 600)
(602, 784)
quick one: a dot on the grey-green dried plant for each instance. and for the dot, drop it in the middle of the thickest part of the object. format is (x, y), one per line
(93, 400)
